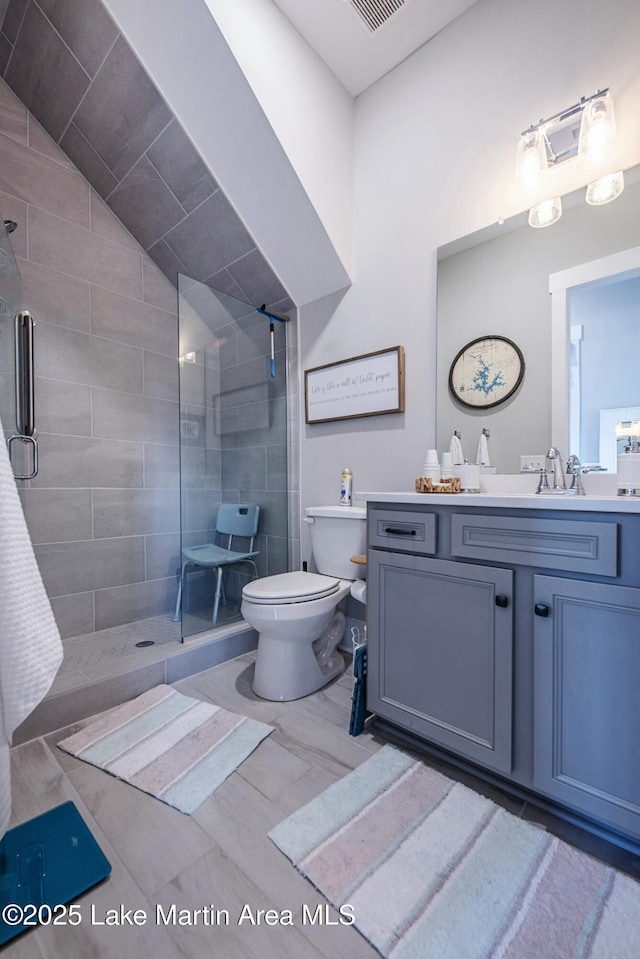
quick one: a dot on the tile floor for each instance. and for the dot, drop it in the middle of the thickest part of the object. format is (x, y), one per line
(220, 856)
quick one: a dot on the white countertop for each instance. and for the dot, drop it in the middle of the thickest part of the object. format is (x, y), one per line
(598, 504)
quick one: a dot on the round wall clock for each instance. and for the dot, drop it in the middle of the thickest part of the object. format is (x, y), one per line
(486, 372)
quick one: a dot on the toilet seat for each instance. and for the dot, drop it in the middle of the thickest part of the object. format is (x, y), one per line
(295, 587)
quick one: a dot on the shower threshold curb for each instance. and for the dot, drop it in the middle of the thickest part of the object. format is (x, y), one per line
(71, 705)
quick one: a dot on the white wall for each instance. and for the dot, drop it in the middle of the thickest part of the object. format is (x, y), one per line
(308, 108)
(435, 145)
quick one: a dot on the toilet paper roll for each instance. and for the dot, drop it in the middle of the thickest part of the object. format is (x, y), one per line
(469, 477)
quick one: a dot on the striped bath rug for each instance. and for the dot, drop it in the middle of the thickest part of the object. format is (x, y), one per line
(172, 746)
(432, 870)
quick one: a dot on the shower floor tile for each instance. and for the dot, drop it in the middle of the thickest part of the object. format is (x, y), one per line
(111, 652)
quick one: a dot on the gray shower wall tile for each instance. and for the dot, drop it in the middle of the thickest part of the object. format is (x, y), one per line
(133, 512)
(106, 224)
(80, 358)
(144, 203)
(14, 116)
(73, 614)
(44, 73)
(199, 509)
(244, 383)
(55, 297)
(5, 52)
(86, 28)
(162, 554)
(41, 142)
(210, 237)
(181, 167)
(245, 469)
(91, 565)
(256, 279)
(127, 319)
(129, 416)
(122, 113)
(63, 246)
(15, 209)
(277, 468)
(87, 462)
(273, 509)
(80, 151)
(157, 290)
(160, 376)
(42, 182)
(200, 468)
(63, 407)
(167, 261)
(13, 17)
(161, 466)
(58, 515)
(263, 424)
(137, 601)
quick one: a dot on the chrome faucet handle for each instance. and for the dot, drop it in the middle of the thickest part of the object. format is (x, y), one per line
(574, 469)
(543, 484)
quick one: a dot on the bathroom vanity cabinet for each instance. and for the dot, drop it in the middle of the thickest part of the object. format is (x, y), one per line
(511, 639)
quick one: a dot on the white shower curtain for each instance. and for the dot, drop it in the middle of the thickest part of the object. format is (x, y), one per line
(30, 645)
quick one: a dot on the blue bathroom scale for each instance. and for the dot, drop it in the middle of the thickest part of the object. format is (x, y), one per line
(46, 862)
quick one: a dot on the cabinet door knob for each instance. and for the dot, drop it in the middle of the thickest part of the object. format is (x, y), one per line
(541, 610)
(502, 601)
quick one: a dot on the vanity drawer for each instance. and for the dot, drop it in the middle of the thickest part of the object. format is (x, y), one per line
(405, 530)
(573, 545)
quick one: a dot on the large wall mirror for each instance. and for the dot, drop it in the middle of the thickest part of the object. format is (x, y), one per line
(496, 282)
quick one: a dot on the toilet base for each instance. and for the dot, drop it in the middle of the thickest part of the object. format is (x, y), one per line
(287, 668)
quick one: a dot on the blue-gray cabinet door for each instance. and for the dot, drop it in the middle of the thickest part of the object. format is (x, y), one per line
(587, 698)
(440, 652)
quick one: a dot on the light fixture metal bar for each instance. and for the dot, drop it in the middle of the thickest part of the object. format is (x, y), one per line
(566, 113)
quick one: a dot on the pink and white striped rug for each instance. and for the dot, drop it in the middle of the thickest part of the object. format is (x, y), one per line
(172, 746)
(432, 870)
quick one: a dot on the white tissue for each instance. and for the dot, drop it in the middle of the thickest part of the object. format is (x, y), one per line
(482, 454)
(30, 645)
(455, 448)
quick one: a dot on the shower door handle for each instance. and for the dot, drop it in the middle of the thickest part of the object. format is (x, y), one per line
(25, 399)
(25, 405)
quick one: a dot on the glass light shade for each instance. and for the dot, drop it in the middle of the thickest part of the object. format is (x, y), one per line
(545, 213)
(606, 189)
(597, 140)
(531, 160)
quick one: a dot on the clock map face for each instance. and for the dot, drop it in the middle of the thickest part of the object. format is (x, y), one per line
(486, 372)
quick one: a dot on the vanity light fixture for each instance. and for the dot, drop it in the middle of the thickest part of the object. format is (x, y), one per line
(585, 130)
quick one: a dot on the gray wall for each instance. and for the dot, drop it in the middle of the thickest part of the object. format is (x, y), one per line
(103, 512)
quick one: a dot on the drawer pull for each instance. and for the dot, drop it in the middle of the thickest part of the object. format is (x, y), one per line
(502, 601)
(541, 610)
(399, 532)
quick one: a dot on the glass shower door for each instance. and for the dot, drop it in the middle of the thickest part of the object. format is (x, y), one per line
(233, 445)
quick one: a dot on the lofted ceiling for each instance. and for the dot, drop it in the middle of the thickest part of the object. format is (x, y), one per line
(361, 40)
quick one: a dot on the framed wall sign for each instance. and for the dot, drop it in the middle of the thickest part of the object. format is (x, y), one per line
(486, 372)
(364, 385)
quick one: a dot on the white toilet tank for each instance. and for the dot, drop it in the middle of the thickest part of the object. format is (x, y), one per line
(337, 533)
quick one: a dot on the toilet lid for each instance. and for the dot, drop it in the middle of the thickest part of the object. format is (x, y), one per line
(296, 587)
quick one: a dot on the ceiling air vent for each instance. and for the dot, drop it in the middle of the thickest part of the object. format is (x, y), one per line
(375, 13)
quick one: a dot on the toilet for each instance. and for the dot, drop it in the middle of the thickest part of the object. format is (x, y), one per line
(296, 614)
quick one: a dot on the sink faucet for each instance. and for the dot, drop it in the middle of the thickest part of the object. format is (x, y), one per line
(559, 485)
